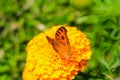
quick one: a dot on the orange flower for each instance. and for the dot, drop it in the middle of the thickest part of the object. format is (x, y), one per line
(44, 63)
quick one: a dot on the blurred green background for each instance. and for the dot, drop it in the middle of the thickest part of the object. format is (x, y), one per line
(21, 20)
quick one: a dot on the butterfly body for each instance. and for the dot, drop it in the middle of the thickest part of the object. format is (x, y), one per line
(61, 42)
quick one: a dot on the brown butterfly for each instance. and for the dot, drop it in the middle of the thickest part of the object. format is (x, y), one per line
(61, 42)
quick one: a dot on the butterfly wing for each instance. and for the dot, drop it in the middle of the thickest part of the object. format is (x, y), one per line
(52, 42)
(61, 36)
(63, 42)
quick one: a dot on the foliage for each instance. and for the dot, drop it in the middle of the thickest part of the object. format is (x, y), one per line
(100, 20)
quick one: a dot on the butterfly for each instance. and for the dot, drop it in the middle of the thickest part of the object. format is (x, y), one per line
(61, 42)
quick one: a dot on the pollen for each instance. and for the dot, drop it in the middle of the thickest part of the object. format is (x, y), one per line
(44, 63)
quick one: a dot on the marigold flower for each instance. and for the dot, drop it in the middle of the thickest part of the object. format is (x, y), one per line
(44, 63)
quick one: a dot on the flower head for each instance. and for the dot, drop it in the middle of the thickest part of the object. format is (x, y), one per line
(44, 63)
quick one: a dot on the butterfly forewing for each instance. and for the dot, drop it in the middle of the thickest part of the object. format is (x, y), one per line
(52, 42)
(61, 35)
